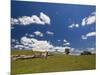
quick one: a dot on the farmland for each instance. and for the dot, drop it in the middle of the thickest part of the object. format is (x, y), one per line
(54, 63)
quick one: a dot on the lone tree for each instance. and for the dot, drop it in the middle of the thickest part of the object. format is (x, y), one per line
(67, 51)
(86, 53)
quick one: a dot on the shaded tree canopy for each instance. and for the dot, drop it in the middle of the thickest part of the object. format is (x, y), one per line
(86, 53)
(67, 51)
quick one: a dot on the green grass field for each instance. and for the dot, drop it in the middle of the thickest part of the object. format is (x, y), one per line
(54, 63)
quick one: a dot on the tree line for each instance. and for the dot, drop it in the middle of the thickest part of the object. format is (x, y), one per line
(67, 51)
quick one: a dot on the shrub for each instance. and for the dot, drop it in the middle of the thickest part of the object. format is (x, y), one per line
(86, 53)
(67, 51)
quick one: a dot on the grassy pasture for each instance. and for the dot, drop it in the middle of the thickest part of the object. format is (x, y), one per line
(53, 63)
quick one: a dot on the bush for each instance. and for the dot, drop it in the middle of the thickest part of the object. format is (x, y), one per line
(67, 51)
(86, 53)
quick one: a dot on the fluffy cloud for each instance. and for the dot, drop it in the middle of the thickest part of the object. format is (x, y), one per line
(27, 41)
(18, 46)
(84, 37)
(90, 34)
(33, 44)
(64, 40)
(89, 20)
(44, 18)
(38, 33)
(34, 19)
(50, 33)
(26, 20)
(42, 45)
(73, 26)
(14, 21)
(36, 44)
(67, 43)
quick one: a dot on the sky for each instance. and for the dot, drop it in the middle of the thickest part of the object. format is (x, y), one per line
(50, 25)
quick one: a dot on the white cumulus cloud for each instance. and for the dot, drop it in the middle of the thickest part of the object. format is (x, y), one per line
(38, 33)
(34, 19)
(18, 46)
(73, 26)
(14, 21)
(26, 41)
(49, 32)
(89, 20)
(26, 20)
(44, 18)
(67, 43)
(90, 34)
(36, 45)
(64, 40)
(83, 37)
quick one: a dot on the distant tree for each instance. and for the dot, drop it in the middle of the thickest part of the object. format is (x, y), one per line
(86, 53)
(67, 51)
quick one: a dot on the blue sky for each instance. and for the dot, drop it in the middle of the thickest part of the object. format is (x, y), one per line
(61, 25)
